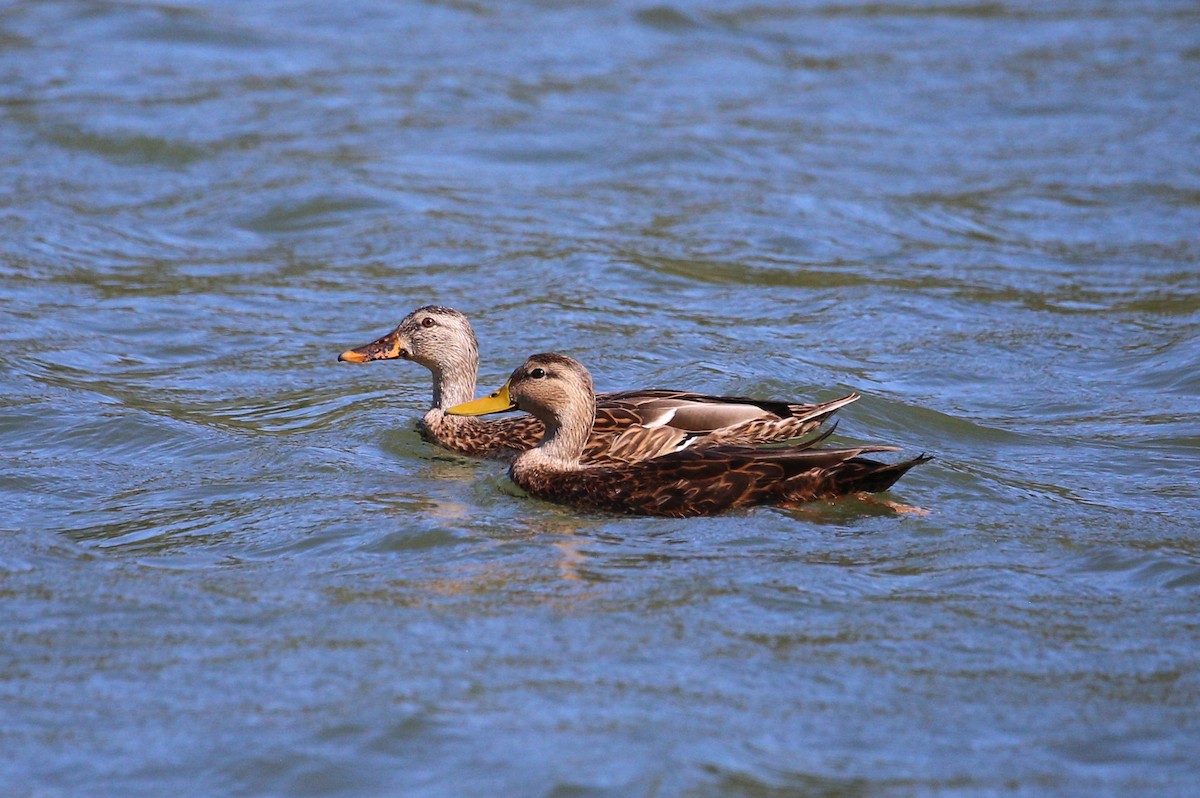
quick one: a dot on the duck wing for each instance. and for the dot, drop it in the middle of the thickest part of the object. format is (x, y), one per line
(703, 412)
(630, 430)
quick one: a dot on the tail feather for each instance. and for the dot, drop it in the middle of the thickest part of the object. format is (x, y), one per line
(821, 411)
(861, 474)
(814, 440)
(852, 474)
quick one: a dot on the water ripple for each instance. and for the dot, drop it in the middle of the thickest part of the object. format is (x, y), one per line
(231, 564)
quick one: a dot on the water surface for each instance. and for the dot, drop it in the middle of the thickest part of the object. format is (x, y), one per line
(230, 566)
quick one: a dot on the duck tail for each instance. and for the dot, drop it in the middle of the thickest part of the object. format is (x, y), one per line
(861, 474)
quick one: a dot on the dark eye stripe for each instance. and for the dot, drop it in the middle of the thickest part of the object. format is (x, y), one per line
(537, 374)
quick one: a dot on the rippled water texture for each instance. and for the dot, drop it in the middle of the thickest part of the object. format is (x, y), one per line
(228, 565)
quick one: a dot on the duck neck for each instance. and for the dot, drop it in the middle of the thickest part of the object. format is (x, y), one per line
(452, 387)
(566, 435)
(454, 376)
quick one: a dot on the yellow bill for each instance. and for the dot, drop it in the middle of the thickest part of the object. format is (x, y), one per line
(495, 402)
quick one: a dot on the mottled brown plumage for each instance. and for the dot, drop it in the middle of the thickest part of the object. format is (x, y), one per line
(699, 480)
(441, 339)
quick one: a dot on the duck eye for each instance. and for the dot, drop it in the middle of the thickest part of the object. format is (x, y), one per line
(428, 321)
(537, 374)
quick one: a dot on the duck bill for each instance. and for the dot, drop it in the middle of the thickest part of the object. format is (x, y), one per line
(389, 347)
(495, 402)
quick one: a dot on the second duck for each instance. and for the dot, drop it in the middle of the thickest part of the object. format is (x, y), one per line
(627, 426)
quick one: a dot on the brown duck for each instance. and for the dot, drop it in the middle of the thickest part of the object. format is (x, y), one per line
(694, 480)
(661, 421)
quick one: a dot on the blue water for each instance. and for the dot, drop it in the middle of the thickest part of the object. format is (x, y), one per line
(230, 566)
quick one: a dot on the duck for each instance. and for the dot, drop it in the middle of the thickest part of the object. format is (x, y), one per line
(692, 481)
(628, 426)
